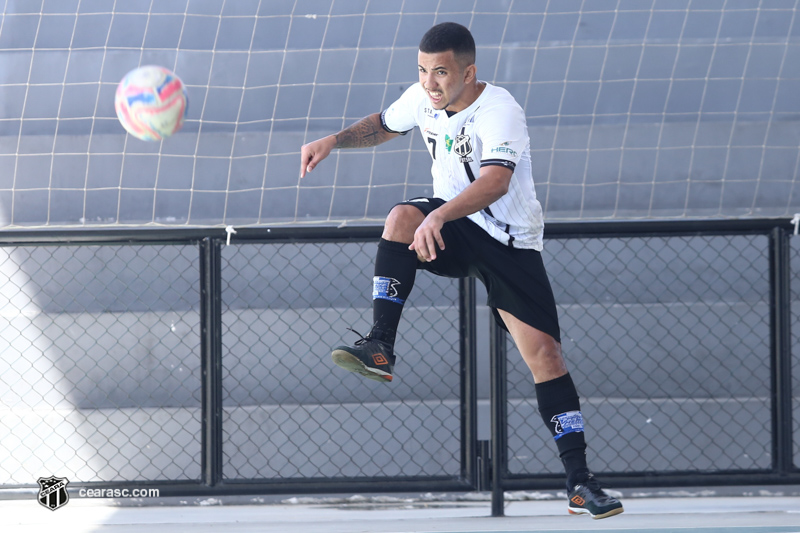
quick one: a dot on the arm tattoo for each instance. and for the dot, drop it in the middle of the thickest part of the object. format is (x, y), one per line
(363, 134)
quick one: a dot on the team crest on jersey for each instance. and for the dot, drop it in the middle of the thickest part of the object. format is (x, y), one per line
(463, 147)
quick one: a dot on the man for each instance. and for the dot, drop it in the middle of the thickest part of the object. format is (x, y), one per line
(483, 221)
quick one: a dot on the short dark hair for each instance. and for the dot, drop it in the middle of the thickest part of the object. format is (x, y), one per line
(450, 36)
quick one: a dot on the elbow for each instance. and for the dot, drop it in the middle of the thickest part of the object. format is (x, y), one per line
(501, 188)
(495, 182)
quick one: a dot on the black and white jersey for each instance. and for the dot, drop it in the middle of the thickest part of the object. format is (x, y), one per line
(491, 131)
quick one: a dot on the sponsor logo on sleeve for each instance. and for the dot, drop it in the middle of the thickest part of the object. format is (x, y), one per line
(504, 148)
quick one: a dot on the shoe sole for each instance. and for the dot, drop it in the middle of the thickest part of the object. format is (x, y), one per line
(579, 510)
(352, 363)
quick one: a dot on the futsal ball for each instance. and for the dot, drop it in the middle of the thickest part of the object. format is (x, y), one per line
(151, 103)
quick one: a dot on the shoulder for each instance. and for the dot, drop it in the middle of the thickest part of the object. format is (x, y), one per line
(408, 107)
(498, 109)
(414, 94)
(497, 97)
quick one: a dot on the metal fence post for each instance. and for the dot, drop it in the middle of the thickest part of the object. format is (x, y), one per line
(780, 351)
(211, 354)
(499, 401)
(469, 381)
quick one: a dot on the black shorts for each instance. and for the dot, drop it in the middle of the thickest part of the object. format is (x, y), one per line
(515, 278)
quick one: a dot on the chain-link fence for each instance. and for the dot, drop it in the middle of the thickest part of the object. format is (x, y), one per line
(289, 413)
(99, 374)
(108, 355)
(668, 341)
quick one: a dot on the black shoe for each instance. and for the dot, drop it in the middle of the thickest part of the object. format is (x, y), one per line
(369, 357)
(588, 498)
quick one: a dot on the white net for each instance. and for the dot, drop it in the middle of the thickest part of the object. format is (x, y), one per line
(636, 108)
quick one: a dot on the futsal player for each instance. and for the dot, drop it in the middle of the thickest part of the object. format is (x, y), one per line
(483, 221)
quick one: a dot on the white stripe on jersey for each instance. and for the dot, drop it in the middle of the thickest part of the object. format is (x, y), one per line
(491, 131)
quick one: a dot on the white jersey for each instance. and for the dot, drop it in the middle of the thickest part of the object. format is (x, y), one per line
(491, 131)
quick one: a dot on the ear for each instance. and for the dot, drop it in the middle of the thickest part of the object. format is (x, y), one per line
(470, 73)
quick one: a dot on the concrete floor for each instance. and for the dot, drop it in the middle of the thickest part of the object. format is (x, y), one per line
(715, 514)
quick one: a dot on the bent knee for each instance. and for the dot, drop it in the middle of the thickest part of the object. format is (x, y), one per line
(401, 223)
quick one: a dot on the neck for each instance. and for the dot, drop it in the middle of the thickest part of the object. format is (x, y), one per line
(470, 94)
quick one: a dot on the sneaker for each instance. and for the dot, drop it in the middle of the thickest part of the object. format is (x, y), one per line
(369, 357)
(588, 498)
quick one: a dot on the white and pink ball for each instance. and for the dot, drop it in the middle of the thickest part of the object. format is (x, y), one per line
(151, 103)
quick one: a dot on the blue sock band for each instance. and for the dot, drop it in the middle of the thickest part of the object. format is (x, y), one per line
(385, 289)
(566, 423)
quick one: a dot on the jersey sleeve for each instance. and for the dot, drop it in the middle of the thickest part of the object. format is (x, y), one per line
(504, 135)
(401, 116)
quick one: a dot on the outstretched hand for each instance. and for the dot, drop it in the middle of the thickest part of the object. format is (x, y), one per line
(314, 152)
(427, 236)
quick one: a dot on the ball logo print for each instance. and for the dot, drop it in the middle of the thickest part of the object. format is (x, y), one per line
(151, 103)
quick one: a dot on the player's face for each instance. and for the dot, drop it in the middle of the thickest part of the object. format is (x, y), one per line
(444, 80)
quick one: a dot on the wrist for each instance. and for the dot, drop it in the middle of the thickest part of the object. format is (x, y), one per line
(439, 215)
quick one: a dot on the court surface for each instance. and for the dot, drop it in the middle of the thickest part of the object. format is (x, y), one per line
(706, 514)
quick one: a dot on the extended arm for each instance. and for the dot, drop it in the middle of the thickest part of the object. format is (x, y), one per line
(365, 133)
(488, 188)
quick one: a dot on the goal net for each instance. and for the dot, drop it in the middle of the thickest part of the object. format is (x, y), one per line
(637, 109)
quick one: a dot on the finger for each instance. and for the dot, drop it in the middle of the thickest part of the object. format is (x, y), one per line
(413, 248)
(430, 243)
(309, 162)
(419, 245)
(304, 159)
(439, 240)
(314, 160)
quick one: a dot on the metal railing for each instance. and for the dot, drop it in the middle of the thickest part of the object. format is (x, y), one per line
(170, 359)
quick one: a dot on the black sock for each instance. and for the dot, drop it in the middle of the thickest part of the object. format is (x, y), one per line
(395, 271)
(560, 408)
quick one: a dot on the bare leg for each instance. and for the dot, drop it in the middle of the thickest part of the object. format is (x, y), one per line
(558, 400)
(401, 223)
(540, 351)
